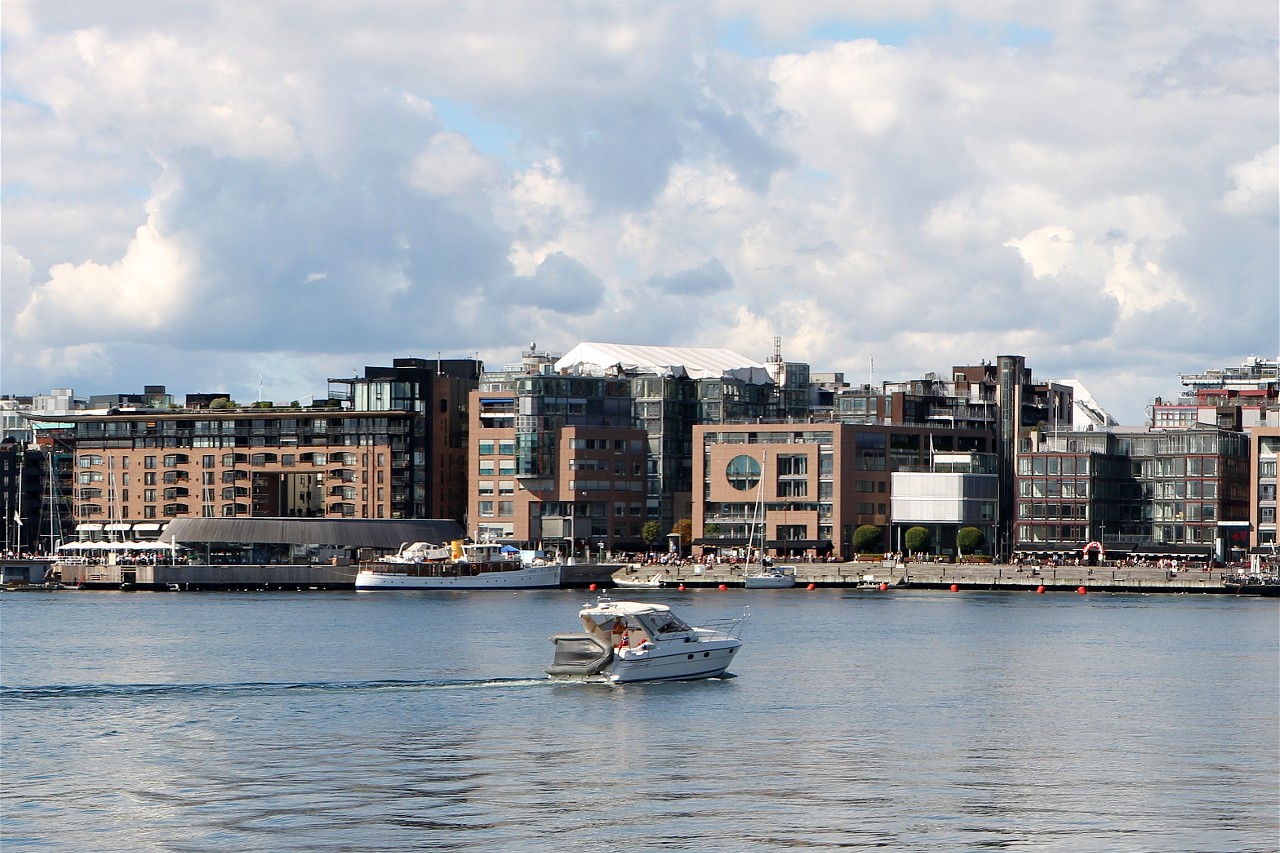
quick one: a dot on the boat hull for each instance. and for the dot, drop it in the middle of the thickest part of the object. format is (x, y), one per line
(766, 582)
(704, 660)
(529, 577)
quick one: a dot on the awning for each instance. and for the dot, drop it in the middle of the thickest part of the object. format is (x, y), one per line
(99, 545)
(118, 527)
(1199, 553)
(798, 543)
(87, 527)
(141, 526)
(723, 542)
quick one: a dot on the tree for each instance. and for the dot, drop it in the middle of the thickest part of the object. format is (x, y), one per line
(711, 531)
(918, 539)
(650, 532)
(866, 538)
(684, 529)
(222, 403)
(969, 539)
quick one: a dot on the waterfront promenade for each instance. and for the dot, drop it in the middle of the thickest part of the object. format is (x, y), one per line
(965, 576)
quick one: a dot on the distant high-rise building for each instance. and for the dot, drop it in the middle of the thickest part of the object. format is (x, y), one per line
(1235, 398)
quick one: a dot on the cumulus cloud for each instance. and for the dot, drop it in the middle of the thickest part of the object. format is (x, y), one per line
(709, 278)
(561, 284)
(1255, 185)
(195, 193)
(450, 165)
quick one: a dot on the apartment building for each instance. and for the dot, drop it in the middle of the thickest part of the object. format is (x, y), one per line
(438, 392)
(810, 485)
(1264, 450)
(555, 460)
(1236, 398)
(131, 465)
(1151, 493)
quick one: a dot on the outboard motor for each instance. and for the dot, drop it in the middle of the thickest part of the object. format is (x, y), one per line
(579, 654)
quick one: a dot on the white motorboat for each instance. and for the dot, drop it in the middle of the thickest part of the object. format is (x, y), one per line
(770, 577)
(425, 565)
(627, 641)
(651, 582)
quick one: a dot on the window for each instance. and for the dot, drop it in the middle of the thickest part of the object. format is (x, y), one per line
(793, 466)
(792, 488)
(506, 508)
(486, 487)
(743, 473)
(486, 509)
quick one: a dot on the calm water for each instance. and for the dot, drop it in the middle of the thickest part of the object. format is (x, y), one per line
(421, 721)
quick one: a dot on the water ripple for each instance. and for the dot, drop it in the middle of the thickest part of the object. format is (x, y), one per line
(257, 688)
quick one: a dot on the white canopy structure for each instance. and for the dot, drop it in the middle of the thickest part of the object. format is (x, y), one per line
(89, 545)
(694, 362)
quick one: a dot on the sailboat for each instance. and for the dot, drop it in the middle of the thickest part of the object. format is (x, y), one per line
(762, 576)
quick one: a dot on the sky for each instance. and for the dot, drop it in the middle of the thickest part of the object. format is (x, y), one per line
(252, 198)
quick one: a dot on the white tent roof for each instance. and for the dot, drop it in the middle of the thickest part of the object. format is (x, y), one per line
(695, 362)
(1086, 411)
(89, 545)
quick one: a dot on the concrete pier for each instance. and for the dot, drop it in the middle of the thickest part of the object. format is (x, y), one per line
(966, 576)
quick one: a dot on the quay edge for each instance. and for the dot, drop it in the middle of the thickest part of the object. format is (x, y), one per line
(966, 577)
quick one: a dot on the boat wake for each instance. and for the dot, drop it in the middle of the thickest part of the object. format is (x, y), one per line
(178, 691)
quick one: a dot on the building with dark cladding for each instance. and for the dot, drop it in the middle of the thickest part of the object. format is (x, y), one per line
(437, 391)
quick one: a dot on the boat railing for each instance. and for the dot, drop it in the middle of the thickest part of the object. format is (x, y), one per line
(727, 628)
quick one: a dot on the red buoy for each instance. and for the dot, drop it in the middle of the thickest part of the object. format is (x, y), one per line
(592, 587)
(682, 587)
(883, 587)
(955, 588)
(811, 586)
(723, 587)
(1040, 590)
(1082, 590)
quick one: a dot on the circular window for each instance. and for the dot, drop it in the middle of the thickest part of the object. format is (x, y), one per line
(743, 473)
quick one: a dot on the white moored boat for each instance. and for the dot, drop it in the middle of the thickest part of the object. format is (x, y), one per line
(760, 573)
(771, 577)
(625, 641)
(653, 581)
(424, 565)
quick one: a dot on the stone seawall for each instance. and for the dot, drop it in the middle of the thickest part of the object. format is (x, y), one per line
(964, 576)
